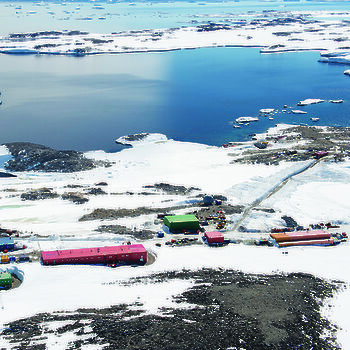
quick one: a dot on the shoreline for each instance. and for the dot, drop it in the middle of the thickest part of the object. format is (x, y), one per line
(240, 295)
(273, 32)
(121, 203)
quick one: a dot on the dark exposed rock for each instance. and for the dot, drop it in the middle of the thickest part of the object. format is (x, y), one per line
(210, 27)
(220, 197)
(282, 33)
(45, 34)
(172, 189)
(231, 209)
(34, 35)
(277, 46)
(289, 20)
(98, 41)
(41, 193)
(147, 194)
(38, 47)
(265, 210)
(260, 145)
(307, 140)
(230, 309)
(74, 197)
(109, 214)
(73, 186)
(75, 32)
(95, 191)
(227, 209)
(124, 231)
(102, 183)
(130, 138)
(2, 174)
(341, 39)
(290, 222)
(29, 156)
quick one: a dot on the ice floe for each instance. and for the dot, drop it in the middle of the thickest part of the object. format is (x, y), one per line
(309, 101)
(246, 119)
(298, 111)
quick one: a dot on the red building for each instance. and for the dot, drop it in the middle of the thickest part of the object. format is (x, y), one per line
(300, 235)
(320, 154)
(130, 254)
(214, 237)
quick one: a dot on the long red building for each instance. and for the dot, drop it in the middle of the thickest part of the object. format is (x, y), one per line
(130, 254)
(300, 235)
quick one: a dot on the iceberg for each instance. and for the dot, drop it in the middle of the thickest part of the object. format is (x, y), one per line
(309, 101)
(246, 119)
(267, 110)
(297, 111)
(336, 59)
(335, 53)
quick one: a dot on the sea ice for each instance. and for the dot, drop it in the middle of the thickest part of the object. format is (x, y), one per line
(309, 101)
(298, 111)
(246, 119)
(267, 110)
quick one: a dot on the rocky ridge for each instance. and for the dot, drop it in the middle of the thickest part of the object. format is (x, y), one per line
(33, 157)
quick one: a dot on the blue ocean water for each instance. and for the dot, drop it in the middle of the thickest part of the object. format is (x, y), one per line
(191, 95)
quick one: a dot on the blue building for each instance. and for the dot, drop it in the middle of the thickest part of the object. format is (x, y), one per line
(6, 243)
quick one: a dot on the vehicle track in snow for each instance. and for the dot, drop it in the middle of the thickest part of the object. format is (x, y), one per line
(272, 191)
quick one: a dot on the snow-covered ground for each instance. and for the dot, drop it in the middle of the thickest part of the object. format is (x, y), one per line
(319, 194)
(274, 32)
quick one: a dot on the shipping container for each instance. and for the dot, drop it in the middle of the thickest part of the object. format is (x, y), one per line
(129, 254)
(5, 259)
(5, 280)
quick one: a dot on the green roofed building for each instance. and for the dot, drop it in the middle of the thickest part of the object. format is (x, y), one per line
(179, 223)
(5, 280)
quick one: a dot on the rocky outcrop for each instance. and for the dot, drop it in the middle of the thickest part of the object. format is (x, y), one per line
(211, 27)
(95, 191)
(124, 231)
(32, 157)
(41, 193)
(110, 214)
(75, 197)
(2, 174)
(45, 34)
(128, 139)
(102, 183)
(172, 189)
